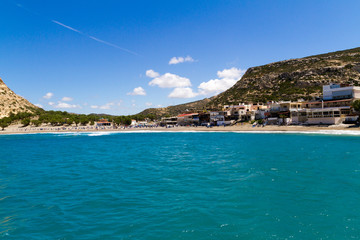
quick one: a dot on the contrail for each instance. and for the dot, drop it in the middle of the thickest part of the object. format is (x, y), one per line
(66, 26)
(93, 38)
(79, 32)
(112, 45)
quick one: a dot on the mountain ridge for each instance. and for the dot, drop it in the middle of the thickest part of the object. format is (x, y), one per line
(176, 109)
(300, 78)
(292, 79)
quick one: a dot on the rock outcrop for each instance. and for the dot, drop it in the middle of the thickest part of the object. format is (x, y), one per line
(293, 79)
(10, 102)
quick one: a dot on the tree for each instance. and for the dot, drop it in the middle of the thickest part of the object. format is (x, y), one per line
(283, 116)
(76, 120)
(151, 116)
(84, 121)
(69, 121)
(53, 120)
(117, 120)
(356, 106)
(25, 122)
(36, 123)
(4, 123)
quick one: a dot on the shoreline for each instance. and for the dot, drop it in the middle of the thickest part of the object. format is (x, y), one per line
(338, 130)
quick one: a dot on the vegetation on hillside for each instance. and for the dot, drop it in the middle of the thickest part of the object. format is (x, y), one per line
(11, 102)
(177, 109)
(59, 118)
(292, 79)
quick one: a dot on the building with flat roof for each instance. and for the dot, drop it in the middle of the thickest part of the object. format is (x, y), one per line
(188, 119)
(167, 121)
(336, 91)
(330, 115)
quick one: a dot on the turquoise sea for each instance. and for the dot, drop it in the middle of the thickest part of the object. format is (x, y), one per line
(179, 186)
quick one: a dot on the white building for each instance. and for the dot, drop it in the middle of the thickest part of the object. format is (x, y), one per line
(217, 118)
(237, 112)
(331, 115)
(335, 91)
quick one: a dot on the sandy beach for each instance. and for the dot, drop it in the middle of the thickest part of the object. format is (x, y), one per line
(340, 129)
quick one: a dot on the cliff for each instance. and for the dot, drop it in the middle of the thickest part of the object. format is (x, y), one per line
(13, 103)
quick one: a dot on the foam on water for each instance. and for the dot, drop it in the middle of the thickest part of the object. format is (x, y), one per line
(104, 133)
(322, 132)
(96, 134)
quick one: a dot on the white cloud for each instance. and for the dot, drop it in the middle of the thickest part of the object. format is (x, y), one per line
(182, 93)
(176, 60)
(152, 74)
(67, 99)
(148, 104)
(66, 105)
(39, 105)
(106, 106)
(51, 103)
(48, 95)
(216, 85)
(137, 91)
(234, 73)
(169, 80)
(227, 78)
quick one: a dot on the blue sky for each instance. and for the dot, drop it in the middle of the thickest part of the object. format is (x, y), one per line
(114, 56)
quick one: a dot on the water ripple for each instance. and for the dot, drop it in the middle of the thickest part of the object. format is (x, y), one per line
(179, 186)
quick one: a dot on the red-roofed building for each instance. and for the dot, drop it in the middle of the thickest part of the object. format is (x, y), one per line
(188, 119)
(103, 122)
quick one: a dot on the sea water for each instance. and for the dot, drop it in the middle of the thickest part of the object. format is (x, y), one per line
(179, 186)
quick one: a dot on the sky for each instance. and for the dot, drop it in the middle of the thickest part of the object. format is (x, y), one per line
(121, 57)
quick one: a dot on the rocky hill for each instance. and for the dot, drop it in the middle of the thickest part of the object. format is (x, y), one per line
(175, 110)
(12, 103)
(293, 79)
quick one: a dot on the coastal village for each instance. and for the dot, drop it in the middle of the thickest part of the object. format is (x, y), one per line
(324, 91)
(174, 120)
(333, 108)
